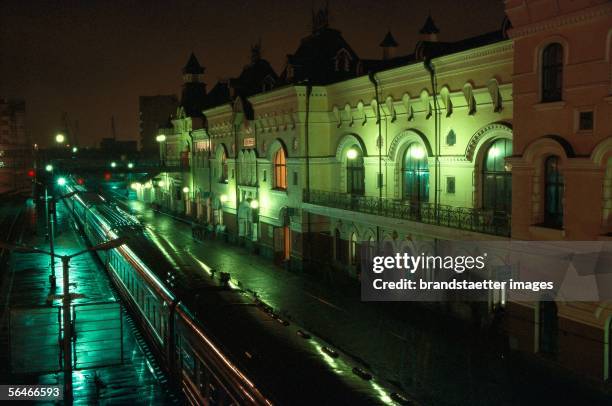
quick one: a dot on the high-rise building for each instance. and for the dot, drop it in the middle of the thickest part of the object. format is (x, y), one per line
(15, 148)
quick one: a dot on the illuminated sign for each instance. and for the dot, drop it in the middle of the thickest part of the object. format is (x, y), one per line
(248, 142)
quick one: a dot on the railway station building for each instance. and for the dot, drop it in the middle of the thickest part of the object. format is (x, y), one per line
(504, 135)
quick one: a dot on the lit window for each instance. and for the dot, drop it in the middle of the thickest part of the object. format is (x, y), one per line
(496, 180)
(280, 170)
(355, 171)
(416, 174)
(552, 73)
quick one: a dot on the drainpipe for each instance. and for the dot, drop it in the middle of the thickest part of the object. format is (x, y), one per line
(372, 77)
(307, 152)
(432, 74)
(209, 210)
(237, 192)
(192, 172)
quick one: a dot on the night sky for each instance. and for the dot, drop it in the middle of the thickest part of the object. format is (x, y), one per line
(92, 59)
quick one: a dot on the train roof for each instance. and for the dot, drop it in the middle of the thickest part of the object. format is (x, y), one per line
(293, 368)
(267, 349)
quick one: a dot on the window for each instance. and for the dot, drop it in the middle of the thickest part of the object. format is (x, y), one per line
(353, 249)
(416, 174)
(223, 177)
(295, 178)
(585, 121)
(552, 73)
(496, 180)
(553, 193)
(355, 171)
(450, 185)
(343, 59)
(280, 170)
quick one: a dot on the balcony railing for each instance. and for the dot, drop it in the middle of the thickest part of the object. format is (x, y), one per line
(463, 218)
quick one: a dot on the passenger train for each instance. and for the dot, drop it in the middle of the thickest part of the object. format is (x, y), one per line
(222, 346)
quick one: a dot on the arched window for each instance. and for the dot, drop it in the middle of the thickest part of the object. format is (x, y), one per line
(224, 171)
(496, 180)
(552, 72)
(280, 170)
(353, 248)
(343, 60)
(416, 174)
(355, 171)
(553, 192)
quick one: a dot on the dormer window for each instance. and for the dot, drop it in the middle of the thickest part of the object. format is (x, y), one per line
(343, 60)
(267, 83)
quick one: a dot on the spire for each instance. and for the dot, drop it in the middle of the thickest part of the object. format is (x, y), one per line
(256, 51)
(320, 19)
(388, 45)
(429, 30)
(389, 41)
(193, 66)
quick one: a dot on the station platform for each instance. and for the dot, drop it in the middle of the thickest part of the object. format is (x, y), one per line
(112, 364)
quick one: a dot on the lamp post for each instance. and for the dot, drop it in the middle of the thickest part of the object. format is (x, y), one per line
(66, 299)
(60, 138)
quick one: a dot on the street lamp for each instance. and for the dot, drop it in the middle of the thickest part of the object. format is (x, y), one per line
(185, 190)
(130, 165)
(49, 168)
(113, 164)
(75, 150)
(254, 204)
(160, 138)
(60, 138)
(66, 298)
(61, 181)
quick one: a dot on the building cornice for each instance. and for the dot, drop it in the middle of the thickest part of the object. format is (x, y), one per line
(567, 19)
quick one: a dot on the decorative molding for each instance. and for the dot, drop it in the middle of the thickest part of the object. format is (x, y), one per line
(472, 146)
(574, 18)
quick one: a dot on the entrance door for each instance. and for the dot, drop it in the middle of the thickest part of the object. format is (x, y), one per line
(282, 244)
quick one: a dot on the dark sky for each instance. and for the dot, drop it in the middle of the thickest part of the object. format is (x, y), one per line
(92, 59)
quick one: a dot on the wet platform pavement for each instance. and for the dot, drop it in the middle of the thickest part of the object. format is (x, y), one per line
(113, 363)
(435, 359)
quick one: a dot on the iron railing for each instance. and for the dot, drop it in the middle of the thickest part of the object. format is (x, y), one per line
(463, 218)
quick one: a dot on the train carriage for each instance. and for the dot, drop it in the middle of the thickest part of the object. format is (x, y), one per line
(220, 345)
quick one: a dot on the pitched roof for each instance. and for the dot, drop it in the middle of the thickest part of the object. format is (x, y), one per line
(315, 58)
(193, 66)
(388, 41)
(429, 27)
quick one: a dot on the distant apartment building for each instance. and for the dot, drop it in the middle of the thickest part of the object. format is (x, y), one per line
(154, 111)
(15, 149)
